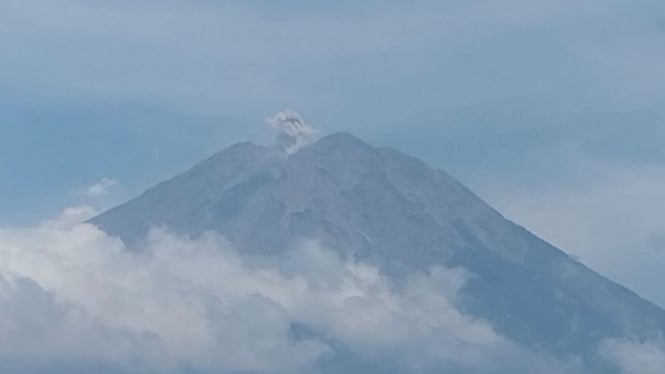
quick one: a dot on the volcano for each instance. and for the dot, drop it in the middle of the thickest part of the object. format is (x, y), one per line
(382, 207)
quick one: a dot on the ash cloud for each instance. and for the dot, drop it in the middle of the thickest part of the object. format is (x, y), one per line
(294, 132)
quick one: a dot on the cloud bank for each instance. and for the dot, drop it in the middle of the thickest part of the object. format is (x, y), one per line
(73, 299)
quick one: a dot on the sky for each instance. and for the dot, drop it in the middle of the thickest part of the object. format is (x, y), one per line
(552, 111)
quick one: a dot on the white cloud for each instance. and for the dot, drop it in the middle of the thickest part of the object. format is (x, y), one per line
(633, 357)
(70, 294)
(100, 189)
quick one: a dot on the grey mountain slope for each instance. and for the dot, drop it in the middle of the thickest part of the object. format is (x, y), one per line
(392, 210)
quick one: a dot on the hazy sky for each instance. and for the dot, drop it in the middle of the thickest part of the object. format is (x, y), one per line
(553, 111)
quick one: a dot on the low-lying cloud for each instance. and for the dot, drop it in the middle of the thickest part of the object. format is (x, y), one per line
(635, 357)
(73, 299)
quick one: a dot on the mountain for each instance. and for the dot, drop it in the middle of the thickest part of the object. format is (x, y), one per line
(386, 208)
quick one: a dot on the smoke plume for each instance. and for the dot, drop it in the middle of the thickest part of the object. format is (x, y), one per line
(294, 132)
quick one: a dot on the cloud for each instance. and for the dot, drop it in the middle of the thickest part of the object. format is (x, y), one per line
(634, 357)
(73, 297)
(100, 189)
(41, 334)
(294, 132)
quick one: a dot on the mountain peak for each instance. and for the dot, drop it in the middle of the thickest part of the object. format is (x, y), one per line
(342, 137)
(341, 147)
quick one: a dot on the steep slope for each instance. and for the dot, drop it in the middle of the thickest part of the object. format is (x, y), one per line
(392, 210)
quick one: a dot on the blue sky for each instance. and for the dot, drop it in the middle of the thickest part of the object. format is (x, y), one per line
(551, 110)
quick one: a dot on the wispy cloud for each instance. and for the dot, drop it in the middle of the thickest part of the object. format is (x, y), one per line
(100, 189)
